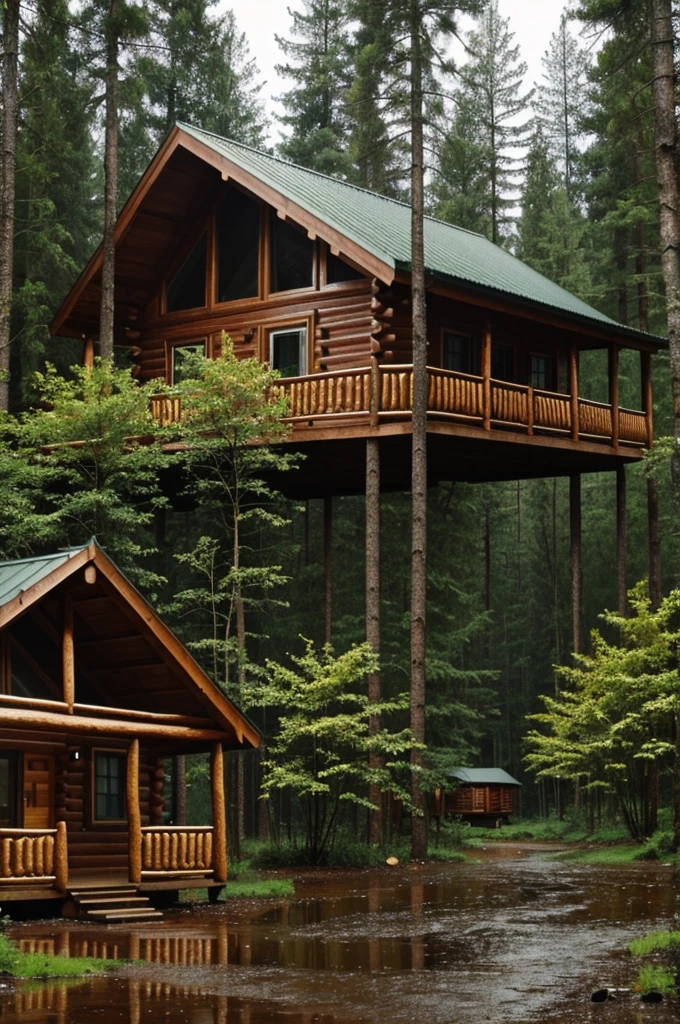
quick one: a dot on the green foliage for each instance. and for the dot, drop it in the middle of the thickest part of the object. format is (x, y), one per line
(260, 888)
(43, 965)
(320, 751)
(655, 942)
(652, 978)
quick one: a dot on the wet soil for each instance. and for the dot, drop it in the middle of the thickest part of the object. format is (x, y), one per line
(513, 938)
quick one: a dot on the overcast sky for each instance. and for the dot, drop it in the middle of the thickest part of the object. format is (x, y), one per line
(532, 21)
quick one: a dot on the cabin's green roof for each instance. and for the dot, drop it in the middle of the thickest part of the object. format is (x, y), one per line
(382, 227)
(483, 776)
(23, 573)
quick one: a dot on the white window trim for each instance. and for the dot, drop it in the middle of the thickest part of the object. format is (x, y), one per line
(302, 348)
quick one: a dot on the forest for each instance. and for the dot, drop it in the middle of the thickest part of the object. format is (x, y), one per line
(564, 174)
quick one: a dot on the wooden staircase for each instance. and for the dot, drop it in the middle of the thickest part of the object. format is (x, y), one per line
(111, 904)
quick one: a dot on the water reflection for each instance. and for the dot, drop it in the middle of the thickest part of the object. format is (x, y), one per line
(515, 939)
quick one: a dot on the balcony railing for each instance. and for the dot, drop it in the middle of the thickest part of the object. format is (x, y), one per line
(360, 395)
(176, 850)
(35, 856)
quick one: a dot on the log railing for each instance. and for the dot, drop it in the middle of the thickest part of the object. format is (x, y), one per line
(347, 394)
(34, 855)
(177, 850)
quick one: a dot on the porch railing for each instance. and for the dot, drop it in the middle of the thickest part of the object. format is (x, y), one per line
(177, 850)
(359, 394)
(34, 855)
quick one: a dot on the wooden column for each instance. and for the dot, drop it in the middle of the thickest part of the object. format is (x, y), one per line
(614, 392)
(67, 659)
(180, 789)
(486, 375)
(88, 352)
(576, 560)
(654, 541)
(647, 405)
(219, 815)
(61, 858)
(373, 614)
(573, 392)
(327, 567)
(133, 815)
(621, 538)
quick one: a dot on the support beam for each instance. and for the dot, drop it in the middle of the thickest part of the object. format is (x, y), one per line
(88, 352)
(67, 657)
(133, 814)
(573, 391)
(655, 593)
(647, 405)
(576, 561)
(180, 789)
(486, 376)
(622, 589)
(61, 858)
(373, 616)
(219, 815)
(327, 568)
(614, 393)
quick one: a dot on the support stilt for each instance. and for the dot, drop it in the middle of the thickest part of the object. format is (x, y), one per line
(576, 561)
(373, 613)
(654, 541)
(327, 568)
(621, 539)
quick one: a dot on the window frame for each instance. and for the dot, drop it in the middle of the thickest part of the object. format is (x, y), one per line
(122, 757)
(172, 344)
(303, 345)
(462, 331)
(207, 229)
(508, 346)
(552, 365)
(267, 269)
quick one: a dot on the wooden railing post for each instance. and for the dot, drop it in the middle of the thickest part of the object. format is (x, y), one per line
(573, 392)
(646, 379)
(374, 391)
(614, 392)
(530, 410)
(61, 857)
(218, 813)
(67, 659)
(133, 815)
(486, 376)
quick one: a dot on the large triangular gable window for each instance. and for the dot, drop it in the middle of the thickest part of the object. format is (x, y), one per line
(186, 290)
(237, 237)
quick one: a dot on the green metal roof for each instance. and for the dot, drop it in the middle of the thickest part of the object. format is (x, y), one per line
(483, 776)
(18, 576)
(382, 227)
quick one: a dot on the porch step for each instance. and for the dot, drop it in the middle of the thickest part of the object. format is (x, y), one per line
(114, 903)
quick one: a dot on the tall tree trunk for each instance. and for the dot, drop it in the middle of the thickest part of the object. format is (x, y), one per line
(106, 309)
(419, 440)
(375, 826)
(665, 146)
(10, 72)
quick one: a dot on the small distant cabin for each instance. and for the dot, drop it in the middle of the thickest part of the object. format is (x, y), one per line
(479, 795)
(97, 696)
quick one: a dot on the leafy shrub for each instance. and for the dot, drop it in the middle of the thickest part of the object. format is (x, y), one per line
(653, 943)
(655, 979)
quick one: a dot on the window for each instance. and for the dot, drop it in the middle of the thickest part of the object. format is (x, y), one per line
(237, 241)
(186, 290)
(181, 361)
(542, 372)
(337, 271)
(109, 786)
(502, 362)
(457, 352)
(292, 257)
(287, 351)
(8, 790)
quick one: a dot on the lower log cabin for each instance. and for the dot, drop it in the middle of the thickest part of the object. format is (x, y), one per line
(480, 795)
(96, 695)
(312, 275)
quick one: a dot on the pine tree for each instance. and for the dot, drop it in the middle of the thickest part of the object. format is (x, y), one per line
(460, 191)
(562, 100)
(316, 63)
(493, 95)
(10, 75)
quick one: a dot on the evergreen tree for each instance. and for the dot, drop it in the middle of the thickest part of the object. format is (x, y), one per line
(493, 103)
(316, 63)
(10, 85)
(562, 100)
(460, 193)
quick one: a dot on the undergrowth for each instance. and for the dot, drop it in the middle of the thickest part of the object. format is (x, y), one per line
(43, 965)
(652, 978)
(655, 942)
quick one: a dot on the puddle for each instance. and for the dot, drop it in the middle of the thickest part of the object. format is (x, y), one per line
(513, 939)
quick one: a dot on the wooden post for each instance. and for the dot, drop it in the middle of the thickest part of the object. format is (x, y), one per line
(486, 376)
(180, 789)
(576, 560)
(88, 352)
(614, 392)
(374, 397)
(373, 615)
(655, 593)
(647, 405)
(61, 858)
(573, 392)
(327, 567)
(530, 410)
(621, 538)
(133, 814)
(67, 660)
(218, 813)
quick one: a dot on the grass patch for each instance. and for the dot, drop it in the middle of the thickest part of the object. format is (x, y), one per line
(655, 979)
(346, 852)
(654, 943)
(551, 830)
(43, 965)
(260, 888)
(621, 854)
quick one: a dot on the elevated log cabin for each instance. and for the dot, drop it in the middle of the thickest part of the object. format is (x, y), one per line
(96, 694)
(312, 275)
(480, 795)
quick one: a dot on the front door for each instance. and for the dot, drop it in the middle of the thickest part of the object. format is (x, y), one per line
(38, 790)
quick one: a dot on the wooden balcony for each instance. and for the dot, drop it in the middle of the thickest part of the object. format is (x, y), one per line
(177, 850)
(34, 857)
(371, 398)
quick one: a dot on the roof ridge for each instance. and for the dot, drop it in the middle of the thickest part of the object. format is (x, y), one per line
(326, 177)
(53, 554)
